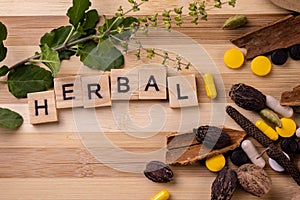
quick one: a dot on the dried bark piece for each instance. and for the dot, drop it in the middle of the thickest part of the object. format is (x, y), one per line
(277, 35)
(248, 126)
(224, 185)
(184, 149)
(254, 179)
(291, 98)
(277, 155)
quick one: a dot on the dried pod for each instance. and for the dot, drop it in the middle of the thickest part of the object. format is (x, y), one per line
(235, 22)
(158, 172)
(212, 137)
(254, 179)
(247, 97)
(224, 185)
(270, 116)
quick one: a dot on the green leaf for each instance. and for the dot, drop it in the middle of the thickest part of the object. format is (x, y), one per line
(10, 119)
(3, 52)
(3, 32)
(104, 56)
(128, 21)
(27, 79)
(4, 70)
(51, 59)
(91, 20)
(77, 12)
(56, 38)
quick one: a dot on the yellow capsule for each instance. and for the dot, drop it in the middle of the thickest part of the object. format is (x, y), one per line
(261, 66)
(216, 163)
(266, 129)
(162, 195)
(234, 58)
(288, 127)
(210, 85)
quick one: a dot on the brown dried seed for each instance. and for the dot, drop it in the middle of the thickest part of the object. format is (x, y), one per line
(247, 97)
(212, 137)
(224, 185)
(158, 172)
(254, 179)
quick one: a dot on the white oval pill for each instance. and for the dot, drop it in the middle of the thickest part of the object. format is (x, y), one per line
(275, 166)
(252, 153)
(298, 132)
(274, 104)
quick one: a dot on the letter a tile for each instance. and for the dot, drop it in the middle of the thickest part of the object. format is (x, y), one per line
(153, 82)
(182, 91)
(42, 107)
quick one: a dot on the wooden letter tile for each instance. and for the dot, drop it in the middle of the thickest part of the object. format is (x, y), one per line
(182, 91)
(68, 92)
(42, 108)
(124, 84)
(95, 91)
(153, 82)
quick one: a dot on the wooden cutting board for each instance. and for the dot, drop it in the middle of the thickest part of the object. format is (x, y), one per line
(293, 5)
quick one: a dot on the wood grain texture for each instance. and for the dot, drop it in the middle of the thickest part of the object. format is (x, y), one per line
(51, 161)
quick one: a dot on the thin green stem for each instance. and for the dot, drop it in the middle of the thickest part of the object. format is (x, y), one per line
(138, 5)
(69, 36)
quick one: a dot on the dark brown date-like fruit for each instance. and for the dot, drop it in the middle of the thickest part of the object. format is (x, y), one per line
(247, 97)
(224, 185)
(212, 137)
(158, 172)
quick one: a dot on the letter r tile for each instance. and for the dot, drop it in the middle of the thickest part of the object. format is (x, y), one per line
(95, 91)
(42, 107)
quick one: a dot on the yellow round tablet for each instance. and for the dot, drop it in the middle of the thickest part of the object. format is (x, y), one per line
(261, 66)
(234, 58)
(216, 163)
(288, 127)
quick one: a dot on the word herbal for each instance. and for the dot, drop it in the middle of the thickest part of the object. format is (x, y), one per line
(93, 91)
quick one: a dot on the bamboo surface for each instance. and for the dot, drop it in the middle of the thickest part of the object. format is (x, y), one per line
(61, 160)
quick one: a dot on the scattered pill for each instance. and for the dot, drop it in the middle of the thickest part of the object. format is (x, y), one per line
(162, 195)
(216, 163)
(266, 129)
(274, 104)
(261, 66)
(288, 127)
(252, 153)
(279, 57)
(298, 132)
(275, 166)
(295, 52)
(289, 145)
(234, 58)
(239, 157)
(210, 85)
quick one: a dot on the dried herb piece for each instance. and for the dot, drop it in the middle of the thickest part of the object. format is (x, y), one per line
(277, 35)
(254, 179)
(184, 149)
(291, 98)
(212, 137)
(224, 185)
(247, 97)
(235, 22)
(158, 172)
(248, 126)
(270, 116)
(277, 155)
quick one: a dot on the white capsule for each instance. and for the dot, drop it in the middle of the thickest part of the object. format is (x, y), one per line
(275, 166)
(298, 132)
(252, 153)
(274, 104)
